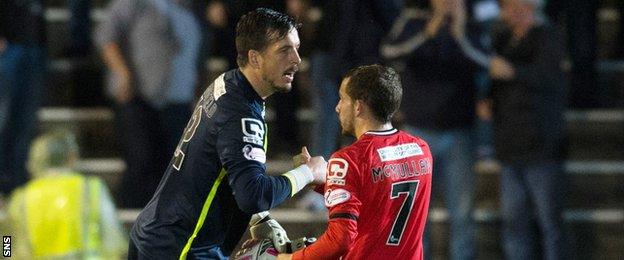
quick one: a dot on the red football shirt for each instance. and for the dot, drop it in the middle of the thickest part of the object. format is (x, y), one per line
(377, 192)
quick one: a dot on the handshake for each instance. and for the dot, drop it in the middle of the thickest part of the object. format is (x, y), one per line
(307, 170)
(317, 165)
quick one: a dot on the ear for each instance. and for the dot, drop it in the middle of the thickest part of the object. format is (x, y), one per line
(359, 108)
(254, 58)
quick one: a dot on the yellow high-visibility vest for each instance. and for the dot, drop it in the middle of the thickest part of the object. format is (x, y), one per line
(66, 216)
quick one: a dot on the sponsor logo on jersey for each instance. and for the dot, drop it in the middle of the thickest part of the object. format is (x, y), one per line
(253, 131)
(254, 153)
(336, 196)
(337, 171)
(335, 182)
(391, 153)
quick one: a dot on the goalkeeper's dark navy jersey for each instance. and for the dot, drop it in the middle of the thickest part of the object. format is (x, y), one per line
(216, 178)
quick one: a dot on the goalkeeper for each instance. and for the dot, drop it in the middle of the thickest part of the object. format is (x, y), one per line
(216, 179)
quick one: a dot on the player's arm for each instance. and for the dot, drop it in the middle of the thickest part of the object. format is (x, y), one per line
(110, 33)
(411, 36)
(344, 207)
(240, 144)
(334, 243)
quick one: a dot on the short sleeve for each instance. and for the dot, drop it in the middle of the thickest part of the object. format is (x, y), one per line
(118, 18)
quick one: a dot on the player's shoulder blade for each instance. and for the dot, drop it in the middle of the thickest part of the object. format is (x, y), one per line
(215, 91)
(413, 138)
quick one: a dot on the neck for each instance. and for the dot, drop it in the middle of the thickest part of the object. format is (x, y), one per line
(53, 171)
(255, 79)
(367, 126)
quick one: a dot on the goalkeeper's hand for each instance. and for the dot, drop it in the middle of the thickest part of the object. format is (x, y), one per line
(262, 226)
(317, 165)
(302, 158)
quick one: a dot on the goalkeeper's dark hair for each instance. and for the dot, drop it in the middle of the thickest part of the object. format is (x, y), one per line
(259, 28)
(378, 87)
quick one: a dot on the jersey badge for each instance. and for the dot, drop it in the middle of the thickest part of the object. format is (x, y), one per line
(337, 171)
(253, 131)
(254, 153)
(336, 196)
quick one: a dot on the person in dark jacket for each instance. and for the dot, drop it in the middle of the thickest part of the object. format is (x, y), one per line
(438, 54)
(22, 72)
(360, 27)
(528, 95)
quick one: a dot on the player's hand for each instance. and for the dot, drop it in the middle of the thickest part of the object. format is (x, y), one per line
(245, 249)
(302, 158)
(249, 242)
(484, 109)
(271, 229)
(318, 165)
(123, 92)
(284, 256)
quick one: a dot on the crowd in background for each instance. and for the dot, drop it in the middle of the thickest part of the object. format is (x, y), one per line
(462, 62)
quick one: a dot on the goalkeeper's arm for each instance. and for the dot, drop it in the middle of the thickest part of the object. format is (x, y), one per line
(301, 176)
(255, 191)
(313, 171)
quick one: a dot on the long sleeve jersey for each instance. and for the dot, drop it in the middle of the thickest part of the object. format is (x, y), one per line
(377, 193)
(216, 178)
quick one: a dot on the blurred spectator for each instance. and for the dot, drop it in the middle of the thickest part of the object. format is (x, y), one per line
(324, 78)
(244, 6)
(438, 54)
(222, 23)
(528, 95)
(61, 214)
(79, 28)
(579, 17)
(485, 15)
(619, 51)
(151, 49)
(22, 72)
(360, 27)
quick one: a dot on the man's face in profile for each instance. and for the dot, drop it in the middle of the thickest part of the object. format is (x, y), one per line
(280, 60)
(346, 109)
